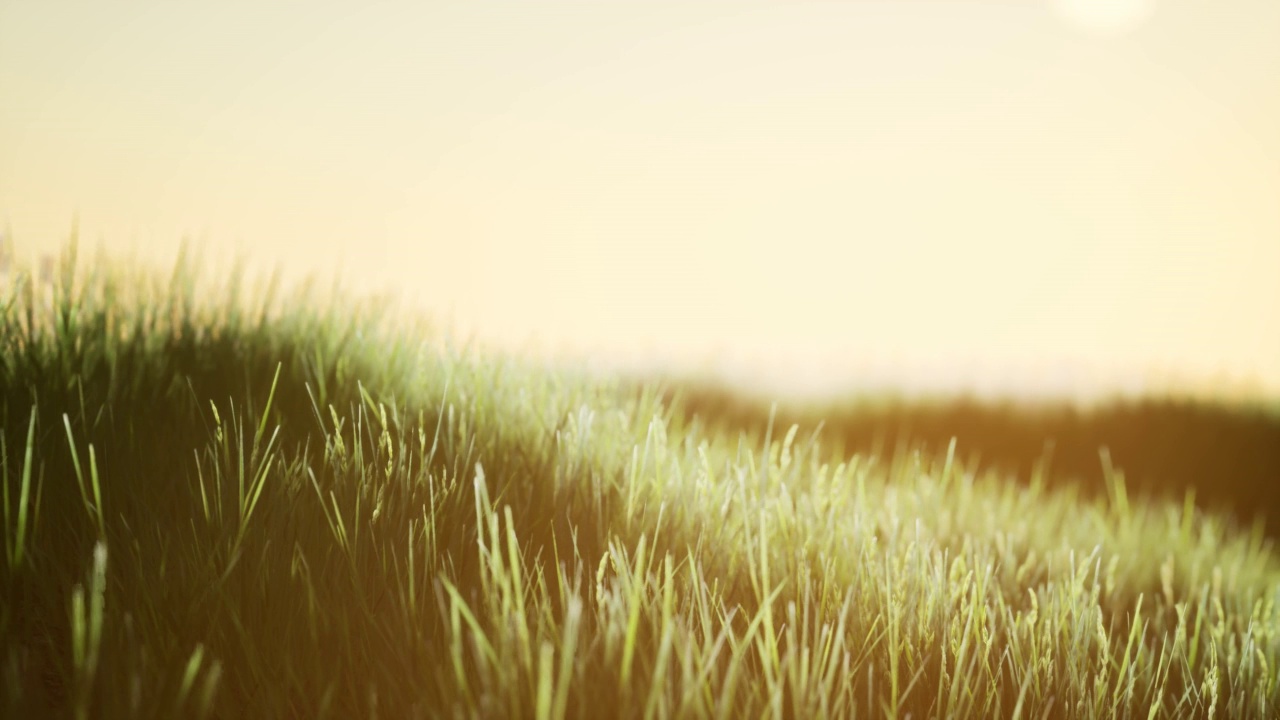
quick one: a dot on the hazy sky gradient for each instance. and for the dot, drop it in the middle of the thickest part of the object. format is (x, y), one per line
(936, 192)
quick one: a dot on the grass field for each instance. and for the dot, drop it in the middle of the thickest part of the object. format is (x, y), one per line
(221, 501)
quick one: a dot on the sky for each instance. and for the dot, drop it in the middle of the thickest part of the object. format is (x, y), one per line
(1014, 196)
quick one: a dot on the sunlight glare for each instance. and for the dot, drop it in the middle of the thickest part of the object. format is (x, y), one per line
(1106, 17)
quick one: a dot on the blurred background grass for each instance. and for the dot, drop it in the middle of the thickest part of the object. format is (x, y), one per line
(1226, 452)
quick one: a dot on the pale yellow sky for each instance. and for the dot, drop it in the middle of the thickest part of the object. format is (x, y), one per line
(1013, 195)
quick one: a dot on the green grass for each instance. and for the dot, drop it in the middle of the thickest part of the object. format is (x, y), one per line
(230, 502)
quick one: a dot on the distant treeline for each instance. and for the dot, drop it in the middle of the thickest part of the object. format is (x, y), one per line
(1229, 456)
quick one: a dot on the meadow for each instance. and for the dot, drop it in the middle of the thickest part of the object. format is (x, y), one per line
(223, 500)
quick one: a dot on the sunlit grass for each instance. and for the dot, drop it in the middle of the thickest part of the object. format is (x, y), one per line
(220, 503)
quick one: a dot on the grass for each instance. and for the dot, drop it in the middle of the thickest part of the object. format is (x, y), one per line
(230, 502)
(1226, 454)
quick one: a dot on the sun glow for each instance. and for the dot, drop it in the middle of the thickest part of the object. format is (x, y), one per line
(1106, 17)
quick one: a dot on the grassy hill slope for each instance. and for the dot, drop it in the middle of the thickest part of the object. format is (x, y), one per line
(291, 506)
